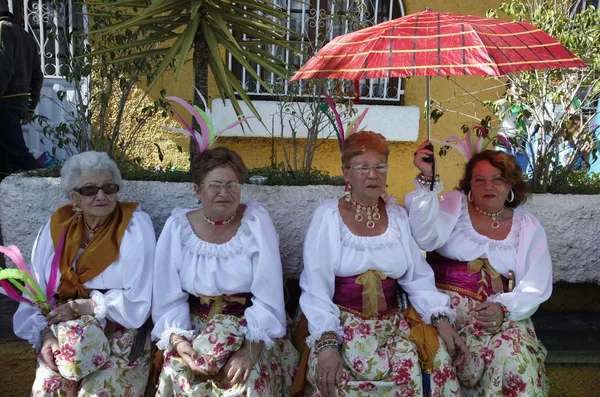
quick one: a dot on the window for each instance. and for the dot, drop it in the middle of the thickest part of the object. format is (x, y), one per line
(316, 22)
(55, 26)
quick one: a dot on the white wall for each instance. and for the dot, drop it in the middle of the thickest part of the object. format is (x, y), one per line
(571, 222)
(379, 118)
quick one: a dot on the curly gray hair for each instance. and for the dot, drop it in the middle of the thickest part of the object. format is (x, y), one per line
(76, 166)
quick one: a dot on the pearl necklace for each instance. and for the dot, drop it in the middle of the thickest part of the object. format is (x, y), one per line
(372, 212)
(493, 215)
(217, 223)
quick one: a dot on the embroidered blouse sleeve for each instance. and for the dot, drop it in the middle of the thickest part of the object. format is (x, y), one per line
(27, 321)
(170, 309)
(130, 306)
(322, 252)
(431, 219)
(533, 271)
(266, 317)
(418, 281)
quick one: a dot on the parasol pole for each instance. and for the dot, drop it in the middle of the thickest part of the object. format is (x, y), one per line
(430, 146)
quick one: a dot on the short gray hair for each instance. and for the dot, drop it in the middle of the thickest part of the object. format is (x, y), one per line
(75, 166)
(4, 5)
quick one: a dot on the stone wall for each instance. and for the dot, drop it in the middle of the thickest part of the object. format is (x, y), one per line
(571, 222)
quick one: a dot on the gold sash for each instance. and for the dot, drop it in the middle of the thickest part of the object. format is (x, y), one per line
(373, 299)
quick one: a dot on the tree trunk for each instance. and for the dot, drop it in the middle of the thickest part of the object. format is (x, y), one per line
(200, 63)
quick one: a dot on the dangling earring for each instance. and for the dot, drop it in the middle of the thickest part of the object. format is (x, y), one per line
(348, 187)
(198, 199)
(511, 196)
(470, 196)
(77, 211)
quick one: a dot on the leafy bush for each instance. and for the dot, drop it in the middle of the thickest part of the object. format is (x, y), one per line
(275, 176)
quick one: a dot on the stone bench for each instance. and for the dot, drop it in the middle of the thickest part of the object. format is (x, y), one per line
(571, 222)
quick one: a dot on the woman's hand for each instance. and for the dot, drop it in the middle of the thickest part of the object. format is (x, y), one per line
(49, 350)
(329, 371)
(456, 347)
(489, 315)
(187, 353)
(421, 154)
(241, 363)
(66, 313)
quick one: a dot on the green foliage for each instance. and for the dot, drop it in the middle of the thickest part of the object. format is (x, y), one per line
(551, 125)
(577, 182)
(103, 90)
(244, 28)
(277, 175)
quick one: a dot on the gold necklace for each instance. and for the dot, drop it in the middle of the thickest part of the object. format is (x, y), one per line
(372, 212)
(493, 215)
(217, 223)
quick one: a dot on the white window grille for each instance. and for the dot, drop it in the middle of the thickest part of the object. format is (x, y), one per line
(316, 22)
(581, 5)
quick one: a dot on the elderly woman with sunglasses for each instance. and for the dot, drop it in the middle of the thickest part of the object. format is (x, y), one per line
(491, 257)
(218, 303)
(98, 253)
(358, 253)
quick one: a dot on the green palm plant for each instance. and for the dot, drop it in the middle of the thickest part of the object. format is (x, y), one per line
(244, 28)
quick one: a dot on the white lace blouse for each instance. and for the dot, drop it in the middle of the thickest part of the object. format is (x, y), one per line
(331, 249)
(445, 226)
(248, 262)
(127, 281)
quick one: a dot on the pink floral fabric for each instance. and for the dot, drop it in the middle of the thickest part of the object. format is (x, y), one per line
(215, 347)
(509, 363)
(83, 347)
(272, 375)
(380, 360)
(112, 375)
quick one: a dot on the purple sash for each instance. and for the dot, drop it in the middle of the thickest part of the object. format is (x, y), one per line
(348, 294)
(453, 275)
(231, 304)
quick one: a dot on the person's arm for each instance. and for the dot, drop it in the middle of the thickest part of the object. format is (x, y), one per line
(130, 305)
(7, 61)
(322, 252)
(170, 308)
(37, 78)
(533, 272)
(266, 317)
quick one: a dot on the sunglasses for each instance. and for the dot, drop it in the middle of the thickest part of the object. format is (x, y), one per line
(109, 188)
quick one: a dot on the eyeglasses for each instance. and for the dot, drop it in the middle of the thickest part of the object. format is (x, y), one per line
(216, 187)
(109, 188)
(364, 169)
(478, 181)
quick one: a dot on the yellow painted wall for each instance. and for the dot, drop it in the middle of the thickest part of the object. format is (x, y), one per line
(256, 152)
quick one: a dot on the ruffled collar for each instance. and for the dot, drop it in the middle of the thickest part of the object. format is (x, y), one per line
(195, 244)
(465, 226)
(391, 236)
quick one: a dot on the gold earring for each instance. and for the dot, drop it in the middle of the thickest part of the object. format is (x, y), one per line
(77, 211)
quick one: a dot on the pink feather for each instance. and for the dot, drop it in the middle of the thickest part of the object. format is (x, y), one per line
(360, 119)
(338, 119)
(15, 255)
(189, 129)
(204, 131)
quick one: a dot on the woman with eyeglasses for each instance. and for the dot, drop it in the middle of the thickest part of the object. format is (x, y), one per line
(358, 253)
(491, 257)
(218, 304)
(97, 255)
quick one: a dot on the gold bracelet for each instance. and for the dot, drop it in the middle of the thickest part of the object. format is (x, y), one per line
(74, 308)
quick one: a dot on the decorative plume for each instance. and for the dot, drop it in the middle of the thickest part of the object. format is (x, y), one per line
(336, 121)
(476, 140)
(20, 285)
(207, 136)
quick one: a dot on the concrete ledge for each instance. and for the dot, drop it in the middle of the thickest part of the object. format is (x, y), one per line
(571, 222)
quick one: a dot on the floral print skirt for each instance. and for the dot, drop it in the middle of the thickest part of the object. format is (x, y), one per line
(380, 360)
(272, 375)
(95, 362)
(508, 363)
